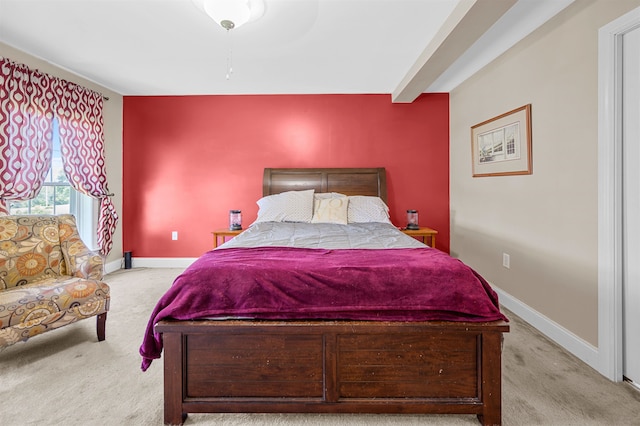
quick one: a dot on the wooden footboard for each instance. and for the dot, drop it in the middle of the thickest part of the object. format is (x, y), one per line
(332, 367)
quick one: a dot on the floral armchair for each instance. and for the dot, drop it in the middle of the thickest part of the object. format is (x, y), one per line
(48, 277)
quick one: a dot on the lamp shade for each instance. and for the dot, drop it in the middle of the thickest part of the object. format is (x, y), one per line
(232, 13)
(235, 220)
(412, 219)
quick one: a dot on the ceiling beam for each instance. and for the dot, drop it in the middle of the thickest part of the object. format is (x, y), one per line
(468, 21)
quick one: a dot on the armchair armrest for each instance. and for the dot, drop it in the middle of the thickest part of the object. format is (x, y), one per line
(83, 262)
(80, 261)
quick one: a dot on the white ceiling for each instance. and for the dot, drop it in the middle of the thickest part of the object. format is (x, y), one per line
(170, 47)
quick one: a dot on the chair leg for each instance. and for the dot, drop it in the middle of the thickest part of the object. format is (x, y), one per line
(101, 324)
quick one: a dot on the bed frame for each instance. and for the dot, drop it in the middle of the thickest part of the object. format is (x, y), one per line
(331, 366)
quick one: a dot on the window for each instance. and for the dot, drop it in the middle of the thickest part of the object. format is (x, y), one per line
(58, 197)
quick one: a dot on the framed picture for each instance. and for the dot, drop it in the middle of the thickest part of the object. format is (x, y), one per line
(501, 146)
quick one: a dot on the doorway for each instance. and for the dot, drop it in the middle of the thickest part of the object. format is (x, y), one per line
(619, 199)
(631, 205)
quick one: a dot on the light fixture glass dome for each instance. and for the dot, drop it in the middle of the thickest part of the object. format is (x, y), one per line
(232, 13)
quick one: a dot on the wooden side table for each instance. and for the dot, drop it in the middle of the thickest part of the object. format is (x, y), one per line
(222, 234)
(427, 234)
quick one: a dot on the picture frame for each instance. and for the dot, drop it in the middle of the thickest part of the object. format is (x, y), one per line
(501, 146)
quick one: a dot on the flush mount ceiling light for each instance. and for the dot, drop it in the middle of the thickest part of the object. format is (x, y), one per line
(231, 14)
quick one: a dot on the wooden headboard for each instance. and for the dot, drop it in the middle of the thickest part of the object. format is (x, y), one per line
(351, 181)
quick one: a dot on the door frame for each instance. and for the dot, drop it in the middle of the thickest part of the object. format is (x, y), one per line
(610, 321)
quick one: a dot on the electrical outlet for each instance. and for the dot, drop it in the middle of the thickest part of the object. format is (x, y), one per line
(174, 235)
(506, 260)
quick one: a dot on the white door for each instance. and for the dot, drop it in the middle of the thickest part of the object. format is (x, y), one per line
(631, 205)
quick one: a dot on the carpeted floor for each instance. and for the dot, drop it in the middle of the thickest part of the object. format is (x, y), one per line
(66, 377)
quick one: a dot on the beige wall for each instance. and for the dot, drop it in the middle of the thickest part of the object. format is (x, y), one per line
(112, 130)
(547, 222)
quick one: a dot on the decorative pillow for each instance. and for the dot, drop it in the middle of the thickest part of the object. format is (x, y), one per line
(330, 210)
(367, 209)
(323, 195)
(290, 206)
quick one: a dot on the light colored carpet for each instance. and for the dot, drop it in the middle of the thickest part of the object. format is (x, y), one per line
(67, 377)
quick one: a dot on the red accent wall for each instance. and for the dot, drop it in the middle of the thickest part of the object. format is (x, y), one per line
(188, 160)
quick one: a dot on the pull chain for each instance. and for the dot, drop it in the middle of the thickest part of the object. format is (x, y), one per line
(229, 55)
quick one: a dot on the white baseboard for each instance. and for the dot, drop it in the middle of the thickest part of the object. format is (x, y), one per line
(151, 262)
(162, 262)
(554, 331)
(113, 266)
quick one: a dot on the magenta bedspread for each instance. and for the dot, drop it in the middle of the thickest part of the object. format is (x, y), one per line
(416, 284)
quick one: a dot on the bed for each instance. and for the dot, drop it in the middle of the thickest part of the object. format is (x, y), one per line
(296, 358)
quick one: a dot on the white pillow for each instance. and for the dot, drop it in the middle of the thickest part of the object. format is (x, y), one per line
(367, 209)
(330, 210)
(290, 206)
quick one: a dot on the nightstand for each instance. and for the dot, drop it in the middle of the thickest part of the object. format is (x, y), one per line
(221, 234)
(427, 234)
